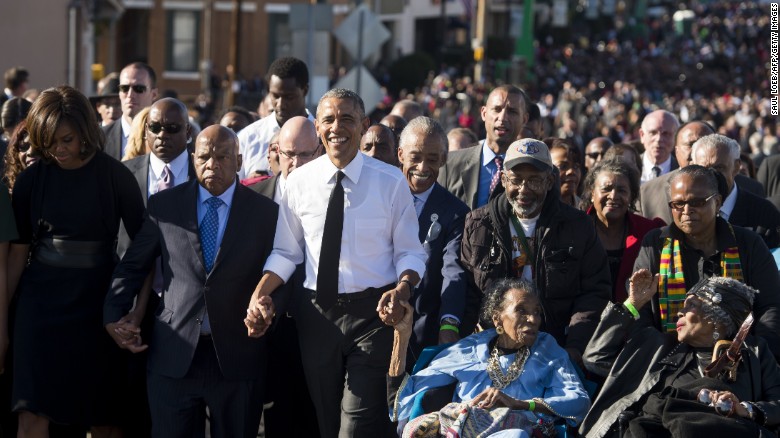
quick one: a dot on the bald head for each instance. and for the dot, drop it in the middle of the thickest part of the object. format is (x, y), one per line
(407, 109)
(168, 129)
(297, 144)
(216, 158)
(657, 135)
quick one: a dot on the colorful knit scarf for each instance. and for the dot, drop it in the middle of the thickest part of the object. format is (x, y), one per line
(671, 288)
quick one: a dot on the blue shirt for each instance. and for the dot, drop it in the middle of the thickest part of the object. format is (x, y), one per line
(486, 172)
(223, 213)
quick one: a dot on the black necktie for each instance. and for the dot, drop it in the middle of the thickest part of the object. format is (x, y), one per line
(656, 171)
(330, 252)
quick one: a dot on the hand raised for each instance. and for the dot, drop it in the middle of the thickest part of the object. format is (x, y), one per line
(641, 287)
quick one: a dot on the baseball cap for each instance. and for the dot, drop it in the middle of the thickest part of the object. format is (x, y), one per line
(528, 151)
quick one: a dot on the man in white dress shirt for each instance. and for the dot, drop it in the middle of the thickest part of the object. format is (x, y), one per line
(353, 288)
(657, 136)
(288, 83)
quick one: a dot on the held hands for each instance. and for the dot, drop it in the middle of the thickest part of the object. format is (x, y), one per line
(389, 308)
(259, 316)
(641, 287)
(127, 333)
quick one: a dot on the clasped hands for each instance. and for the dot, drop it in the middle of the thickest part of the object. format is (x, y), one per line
(127, 333)
(390, 308)
(259, 315)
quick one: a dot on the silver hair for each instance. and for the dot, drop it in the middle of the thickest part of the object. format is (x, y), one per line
(343, 93)
(426, 126)
(712, 141)
(494, 297)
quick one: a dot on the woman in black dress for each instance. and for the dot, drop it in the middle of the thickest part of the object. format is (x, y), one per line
(68, 207)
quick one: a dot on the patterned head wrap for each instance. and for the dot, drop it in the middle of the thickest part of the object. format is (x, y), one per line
(725, 301)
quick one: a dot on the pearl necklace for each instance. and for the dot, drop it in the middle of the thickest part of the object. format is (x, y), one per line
(501, 380)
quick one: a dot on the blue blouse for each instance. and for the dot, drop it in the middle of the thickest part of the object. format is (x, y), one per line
(548, 374)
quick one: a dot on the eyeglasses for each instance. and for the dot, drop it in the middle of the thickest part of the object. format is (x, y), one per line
(300, 155)
(139, 89)
(156, 128)
(693, 203)
(533, 183)
(22, 146)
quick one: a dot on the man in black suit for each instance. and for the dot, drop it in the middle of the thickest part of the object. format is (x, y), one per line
(740, 207)
(440, 298)
(213, 236)
(657, 137)
(137, 90)
(296, 145)
(472, 173)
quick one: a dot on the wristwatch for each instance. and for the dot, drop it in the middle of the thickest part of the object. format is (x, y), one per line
(749, 408)
(450, 321)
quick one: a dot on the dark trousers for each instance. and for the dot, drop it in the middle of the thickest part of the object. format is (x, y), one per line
(292, 413)
(346, 355)
(178, 406)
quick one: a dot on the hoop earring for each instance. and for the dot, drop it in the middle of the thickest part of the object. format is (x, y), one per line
(715, 335)
(500, 330)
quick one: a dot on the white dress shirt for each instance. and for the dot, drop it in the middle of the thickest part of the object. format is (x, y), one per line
(253, 144)
(647, 168)
(379, 241)
(223, 213)
(126, 129)
(178, 168)
(281, 183)
(728, 204)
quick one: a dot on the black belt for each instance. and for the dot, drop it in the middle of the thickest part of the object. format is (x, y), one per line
(371, 292)
(77, 254)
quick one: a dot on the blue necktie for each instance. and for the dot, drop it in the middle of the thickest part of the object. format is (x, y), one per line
(209, 227)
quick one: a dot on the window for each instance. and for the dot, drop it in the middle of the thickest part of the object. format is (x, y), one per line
(183, 38)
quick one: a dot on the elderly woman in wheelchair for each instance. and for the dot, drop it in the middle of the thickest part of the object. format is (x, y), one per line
(511, 381)
(687, 383)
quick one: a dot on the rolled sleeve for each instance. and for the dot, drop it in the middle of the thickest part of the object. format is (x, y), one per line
(288, 243)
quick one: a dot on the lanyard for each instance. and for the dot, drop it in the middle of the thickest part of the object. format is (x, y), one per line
(529, 254)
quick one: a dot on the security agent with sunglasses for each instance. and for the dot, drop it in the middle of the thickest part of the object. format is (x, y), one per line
(167, 133)
(137, 90)
(297, 145)
(527, 232)
(701, 244)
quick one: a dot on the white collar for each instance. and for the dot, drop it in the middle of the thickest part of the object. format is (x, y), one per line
(226, 196)
(729, 203)
(127, 128)
(177, 164)
(351, 171)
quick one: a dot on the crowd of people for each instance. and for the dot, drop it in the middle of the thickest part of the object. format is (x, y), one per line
(595, 261)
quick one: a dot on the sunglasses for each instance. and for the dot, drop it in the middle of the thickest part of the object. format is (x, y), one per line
(138, 89)
(22, 147)
(156, 128)
(693, 203)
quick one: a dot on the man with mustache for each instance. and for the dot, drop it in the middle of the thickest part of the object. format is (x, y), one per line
(440, 300)
(473, 174)
(527, 232)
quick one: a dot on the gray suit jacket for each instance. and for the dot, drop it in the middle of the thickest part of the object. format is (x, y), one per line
(113, 147)
(460, 176)
(170, 230)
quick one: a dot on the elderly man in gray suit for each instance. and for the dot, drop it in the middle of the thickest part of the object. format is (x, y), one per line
(213, 236)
